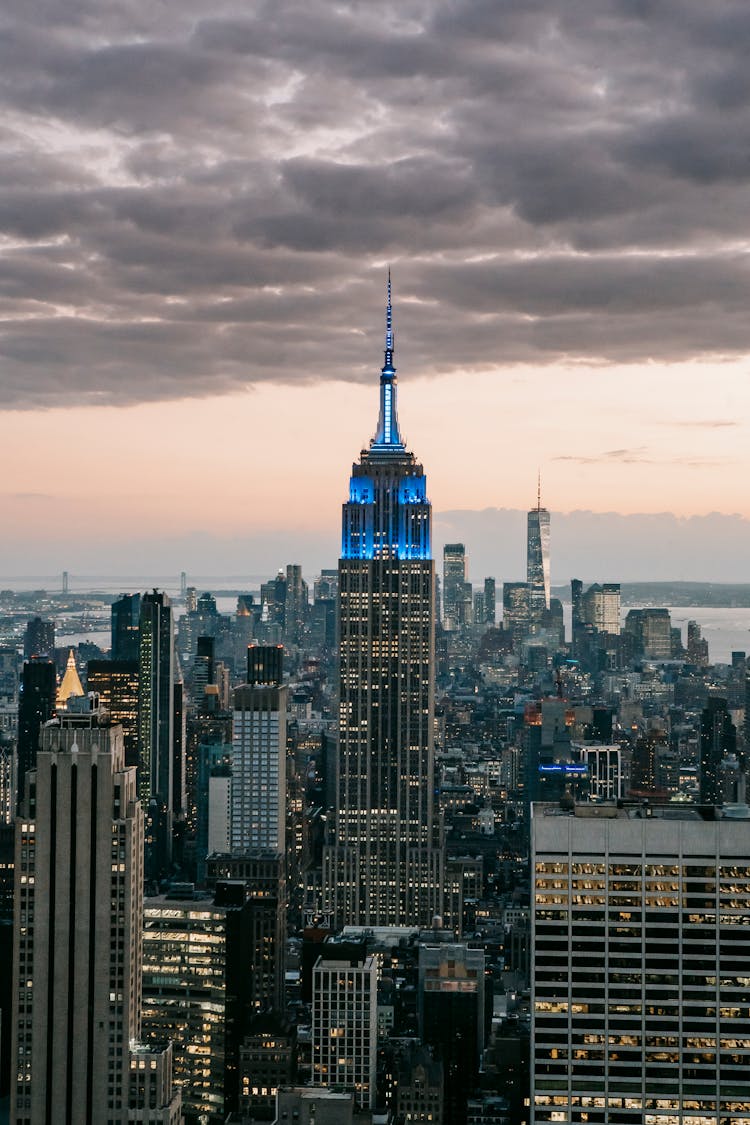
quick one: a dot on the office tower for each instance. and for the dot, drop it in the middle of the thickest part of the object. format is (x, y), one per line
(382, 865)
(262, 874)
(537, 560)
(156, 731)
(265, 665)
(323, 612)
(39, 639)
(116, 684)
(345, 1026)
(479, 608)
(126, 615)
(36, 705)
(639, 966)
(209, 745)
(203, 669)
(600, 608)
(70, 685)
(259, 754)
(718, 740)
(516, 608)
(296, 605)
(7, 879)
(490, 601)
(651, 633)
(576, 598)
(9, 679)
(179, 726)
(454, 581)
(198, 979)
(267, 1064)
(78, 920)
(451, 1018)
(697, 645)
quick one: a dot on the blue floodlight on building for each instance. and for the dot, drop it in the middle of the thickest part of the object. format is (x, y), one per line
(388, 513)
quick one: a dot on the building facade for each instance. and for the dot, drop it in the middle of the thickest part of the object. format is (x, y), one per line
(640, 965)
(382, 863)
(537, 561)
(345, 1026)
(78, 918)
(259, 754)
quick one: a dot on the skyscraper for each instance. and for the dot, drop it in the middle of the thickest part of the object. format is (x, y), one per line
(454, 583)
(490, 601)
(39, 639)
(78, 918)
(259, 754)
(639, 965)
(537, 560)
(126, 612)
(718, 740)
(156, 726)
(345, 1025)
(382, 865)
(36, 705)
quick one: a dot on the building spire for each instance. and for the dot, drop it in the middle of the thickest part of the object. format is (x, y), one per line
(389, 328)
(387, 435)
(539, 490)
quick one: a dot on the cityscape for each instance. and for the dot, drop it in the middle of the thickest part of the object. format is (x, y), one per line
(333, 855)
(375, 577)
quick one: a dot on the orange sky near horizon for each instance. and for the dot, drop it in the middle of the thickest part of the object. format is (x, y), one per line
(625, 439)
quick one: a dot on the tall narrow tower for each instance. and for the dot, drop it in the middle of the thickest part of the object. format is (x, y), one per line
(537, 559)
(156, 728)
(79, 911)
(382, 865)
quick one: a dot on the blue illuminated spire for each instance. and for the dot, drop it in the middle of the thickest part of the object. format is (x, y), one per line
(387, 435)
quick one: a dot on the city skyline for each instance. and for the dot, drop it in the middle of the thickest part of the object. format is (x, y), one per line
(197, 218)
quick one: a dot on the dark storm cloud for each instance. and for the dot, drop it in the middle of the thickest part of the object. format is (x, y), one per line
(192, 202)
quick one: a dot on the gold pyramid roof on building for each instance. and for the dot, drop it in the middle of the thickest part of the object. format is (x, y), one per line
(71, 683)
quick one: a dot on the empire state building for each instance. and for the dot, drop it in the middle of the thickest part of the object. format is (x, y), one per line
(382, 865)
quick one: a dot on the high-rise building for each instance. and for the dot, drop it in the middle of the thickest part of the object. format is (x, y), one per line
(197, 977)
(39, 639)
(9, 678)
(36, 705)
(639, 965)
(262, 874)
(296, 604)
(537, 560)
(126, 614)
(345, 1026)
(454, 584)
(156, 726)
(116, 684)
(78, 928)
(259, 754)
(451, 1018)
(490, 601)
(718, 741)
(382, 864)
(600, 607)
(651, 633)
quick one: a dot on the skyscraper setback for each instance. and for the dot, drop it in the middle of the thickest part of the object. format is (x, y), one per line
(382, 865)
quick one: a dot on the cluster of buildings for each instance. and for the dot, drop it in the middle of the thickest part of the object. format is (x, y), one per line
(376, 855)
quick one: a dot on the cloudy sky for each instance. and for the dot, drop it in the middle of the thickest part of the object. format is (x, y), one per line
(198, 204)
